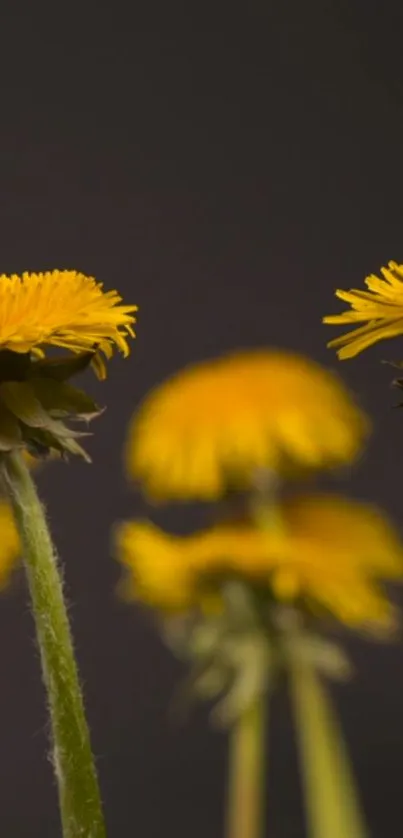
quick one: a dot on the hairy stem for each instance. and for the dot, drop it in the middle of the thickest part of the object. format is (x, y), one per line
(80, 804)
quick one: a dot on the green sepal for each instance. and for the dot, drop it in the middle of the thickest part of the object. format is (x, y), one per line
(61, 400)
(36, 423)
(232, 668)
(34, 399)
(61, 369)
(396, 364)
(324, 655)
(40, 442)
(398, 382)
(255, 672)
(244, 651)
(233, 655)
(19, 397)
(10, 431)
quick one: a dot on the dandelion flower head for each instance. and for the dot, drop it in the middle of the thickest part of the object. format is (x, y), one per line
(330, 554)
(62, 309)
(380, 309)
(219, 423)
(65, 309)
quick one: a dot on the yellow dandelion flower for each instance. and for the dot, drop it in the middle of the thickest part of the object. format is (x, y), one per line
(165, 578)
(380, 308)
(330, 553)
(220, 423)
(62, 308)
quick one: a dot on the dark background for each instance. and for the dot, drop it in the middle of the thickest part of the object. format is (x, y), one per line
(226, 173)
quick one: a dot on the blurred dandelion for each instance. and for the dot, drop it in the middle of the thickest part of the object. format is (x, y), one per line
(68, 310)
(10, 548)
(175, 573)
(246, 605)
(219, 424)
(248, 601)
(10, 543)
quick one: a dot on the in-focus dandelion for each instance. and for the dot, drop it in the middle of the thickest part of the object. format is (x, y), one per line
(62, 309)
(380, 309)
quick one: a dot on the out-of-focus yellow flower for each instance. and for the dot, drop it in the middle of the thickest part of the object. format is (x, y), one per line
(218, 424)
(62, 308)
(10, 546)
(158, 575)
(380, 308)
(329, 554)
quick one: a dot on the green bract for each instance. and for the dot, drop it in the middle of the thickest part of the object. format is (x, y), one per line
(36, 401)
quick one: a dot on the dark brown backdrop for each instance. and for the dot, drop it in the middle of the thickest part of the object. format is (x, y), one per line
(225, 173)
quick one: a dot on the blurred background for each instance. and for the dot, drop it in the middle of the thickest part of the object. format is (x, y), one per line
(225, 173)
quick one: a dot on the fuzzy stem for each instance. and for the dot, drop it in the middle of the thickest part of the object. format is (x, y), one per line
(247, 773)
(331, 803)
(81, 811)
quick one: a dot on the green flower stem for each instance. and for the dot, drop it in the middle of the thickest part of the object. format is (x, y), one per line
(331, 803)
(247, 773)
(80, 804)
